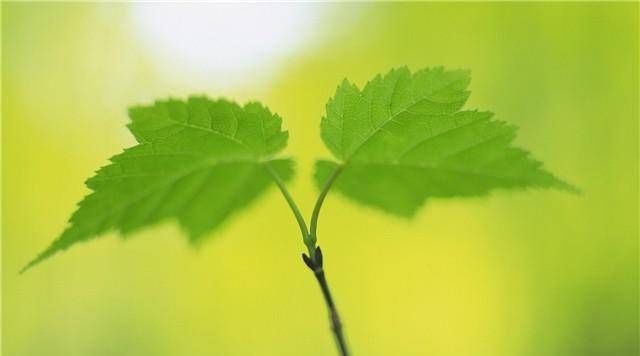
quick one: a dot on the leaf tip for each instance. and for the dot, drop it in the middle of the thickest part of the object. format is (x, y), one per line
(41, 257)
(569, 188)
(24, 269)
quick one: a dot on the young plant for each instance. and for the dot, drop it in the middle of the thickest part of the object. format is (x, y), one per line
(399, 141)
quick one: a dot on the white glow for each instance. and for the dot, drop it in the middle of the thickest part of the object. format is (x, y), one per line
(224, 40)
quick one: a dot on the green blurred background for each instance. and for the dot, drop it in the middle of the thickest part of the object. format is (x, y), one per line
(529, 273)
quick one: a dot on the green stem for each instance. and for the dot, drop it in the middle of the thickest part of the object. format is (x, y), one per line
(316, 209)
(292, 204)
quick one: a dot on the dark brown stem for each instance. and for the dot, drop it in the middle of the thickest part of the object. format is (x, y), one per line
(315, 265)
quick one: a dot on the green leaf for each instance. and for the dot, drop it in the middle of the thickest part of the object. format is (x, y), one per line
(404, 139)
(198, 161)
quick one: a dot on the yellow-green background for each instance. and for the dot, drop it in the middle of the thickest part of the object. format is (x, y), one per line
(528, 273)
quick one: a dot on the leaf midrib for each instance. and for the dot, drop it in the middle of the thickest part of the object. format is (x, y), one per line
(215, 132)
(435, 168)
(171, 179)
(407, 108)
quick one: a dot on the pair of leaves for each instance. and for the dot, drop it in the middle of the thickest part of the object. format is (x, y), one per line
(400, 140)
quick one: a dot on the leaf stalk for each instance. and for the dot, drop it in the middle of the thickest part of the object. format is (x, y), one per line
(292, 204)
(316, 209)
